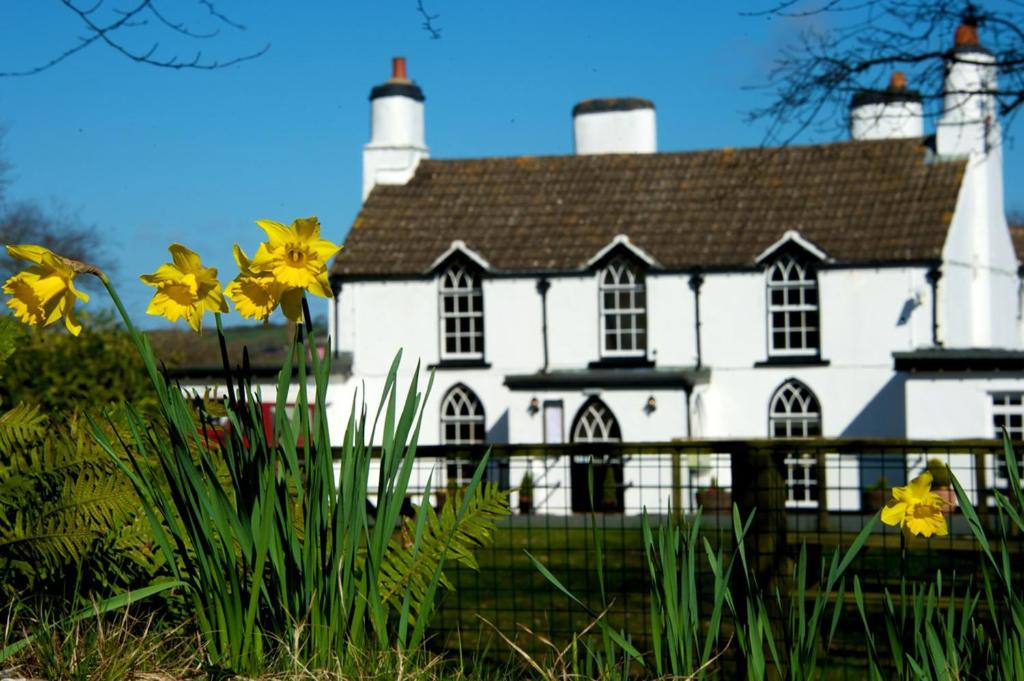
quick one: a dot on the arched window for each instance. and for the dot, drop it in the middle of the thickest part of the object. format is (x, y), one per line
(462, 314)
(623, 303)
(794, 412)
(462, 423)
(595, 423)
(793, 327)
(462, 417)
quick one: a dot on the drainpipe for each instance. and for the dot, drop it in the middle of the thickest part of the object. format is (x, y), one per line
(696, 281)
(542, 288)
(933, 276)
(336, 291)
(1020, 292)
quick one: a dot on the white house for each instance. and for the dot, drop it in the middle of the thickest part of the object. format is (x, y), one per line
(862, 288)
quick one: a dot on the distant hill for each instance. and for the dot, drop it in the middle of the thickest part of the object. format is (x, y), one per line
(186, 354)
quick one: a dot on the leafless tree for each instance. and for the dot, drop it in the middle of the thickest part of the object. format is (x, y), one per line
(134, 30)
(854, 45)
(60, 230)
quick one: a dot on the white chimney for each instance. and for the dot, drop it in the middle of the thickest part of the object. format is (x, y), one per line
(969, 122)
(396, 131)
(895, 112)
(615, 126)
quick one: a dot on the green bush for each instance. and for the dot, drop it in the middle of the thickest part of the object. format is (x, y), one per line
(64, 374)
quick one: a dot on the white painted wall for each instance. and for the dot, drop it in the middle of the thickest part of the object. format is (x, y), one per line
(978, 289)
(866, 315)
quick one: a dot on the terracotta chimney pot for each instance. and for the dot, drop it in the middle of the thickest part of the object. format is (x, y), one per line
(966, 34)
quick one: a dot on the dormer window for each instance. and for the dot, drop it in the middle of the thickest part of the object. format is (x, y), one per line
(623, 310)
(462, 313)
(793, 315)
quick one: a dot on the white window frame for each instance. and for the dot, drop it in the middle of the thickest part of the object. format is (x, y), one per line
(596, 423)
(777, 278)
(800, 407)
(1013, 406)
(461, 284)
(801, 480)
(461, 406)
(622, 278)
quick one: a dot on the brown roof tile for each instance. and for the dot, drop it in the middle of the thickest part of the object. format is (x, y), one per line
(1017, 234)
(874, 201)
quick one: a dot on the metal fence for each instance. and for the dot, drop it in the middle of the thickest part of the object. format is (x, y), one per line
(816, 494)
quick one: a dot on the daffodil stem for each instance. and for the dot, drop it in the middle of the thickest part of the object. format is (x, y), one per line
(226, 360)
(140, 345)
(903, 605)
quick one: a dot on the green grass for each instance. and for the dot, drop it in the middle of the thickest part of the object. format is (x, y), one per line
(511, 594)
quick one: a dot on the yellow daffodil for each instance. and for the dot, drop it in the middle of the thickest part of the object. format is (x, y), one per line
(916, 508)
(296, 256)
(44, 293)
(257, 295)
(184, 288)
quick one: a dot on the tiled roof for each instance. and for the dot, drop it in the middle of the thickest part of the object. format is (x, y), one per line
(1017, 234)
(873, 201)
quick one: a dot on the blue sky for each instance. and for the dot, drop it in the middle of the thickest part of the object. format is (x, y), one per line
(152, 156)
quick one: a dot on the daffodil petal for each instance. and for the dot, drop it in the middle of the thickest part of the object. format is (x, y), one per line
(321, 286)
(29, 252)
(291, 304)
(324, 249)
(264, 260)
(894, 513)
(307, 228)
(214, 300)
(165, 273)
(277, 234)
(241, 259)
(920, 486)
(185, 258)
(72, 325)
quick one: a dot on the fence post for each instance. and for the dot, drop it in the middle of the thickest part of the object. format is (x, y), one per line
(822, 478)
(981, 485)
(677, 482)
(759, 487)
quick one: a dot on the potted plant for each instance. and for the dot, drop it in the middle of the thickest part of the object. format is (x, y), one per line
(526, 494)
(942, 483)
(876, 496)
(714, 499)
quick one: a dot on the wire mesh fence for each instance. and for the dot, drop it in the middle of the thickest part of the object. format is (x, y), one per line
(571, 501)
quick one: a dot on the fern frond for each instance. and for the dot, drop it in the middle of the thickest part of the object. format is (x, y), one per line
(11, 331)
(20, 427)
(407, 570)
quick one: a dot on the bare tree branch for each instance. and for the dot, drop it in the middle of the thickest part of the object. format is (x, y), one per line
(134, 17)
(428, 21)
(858, 43)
